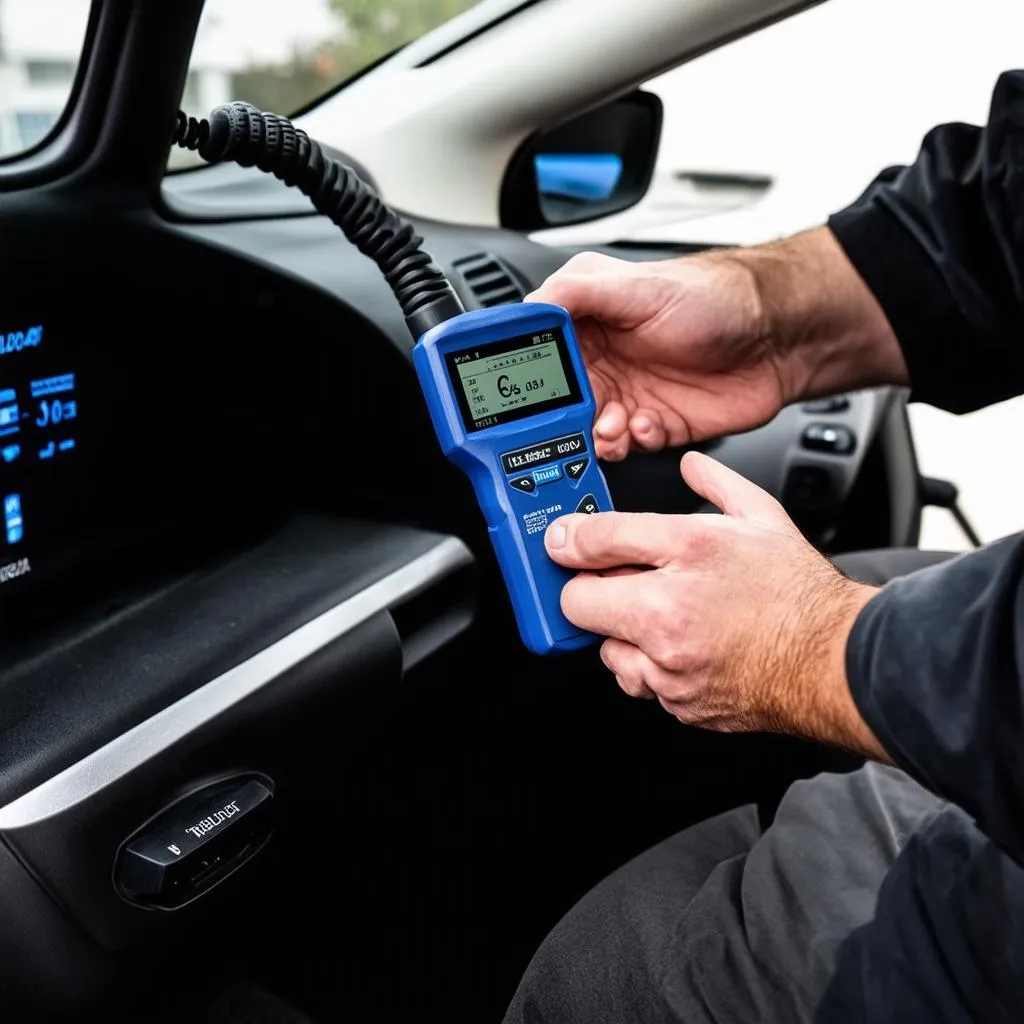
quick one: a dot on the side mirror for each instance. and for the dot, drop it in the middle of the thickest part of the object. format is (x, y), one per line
(595, 165)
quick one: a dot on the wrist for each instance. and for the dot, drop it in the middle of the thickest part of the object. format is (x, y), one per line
(822, 325)
(820, 706)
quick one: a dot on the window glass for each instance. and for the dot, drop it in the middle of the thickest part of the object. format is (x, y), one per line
(40, 46)
(773, 132)
(281, 55)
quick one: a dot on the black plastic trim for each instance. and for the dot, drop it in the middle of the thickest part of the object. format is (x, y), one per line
(83, 710)
(902, 472)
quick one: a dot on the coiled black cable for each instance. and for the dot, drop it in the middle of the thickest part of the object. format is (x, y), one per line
(251, 138)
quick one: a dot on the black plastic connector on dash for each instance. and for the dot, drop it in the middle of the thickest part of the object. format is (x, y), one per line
(251, 138)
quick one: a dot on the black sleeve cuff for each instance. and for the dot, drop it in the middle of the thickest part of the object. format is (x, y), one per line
(915, 299)
(860, 653)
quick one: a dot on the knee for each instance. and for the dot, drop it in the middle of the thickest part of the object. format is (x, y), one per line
(589, 958)
(554, 987)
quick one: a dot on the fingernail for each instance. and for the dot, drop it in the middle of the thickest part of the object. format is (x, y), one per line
(603, 427)
(642, 425)
(556, 536)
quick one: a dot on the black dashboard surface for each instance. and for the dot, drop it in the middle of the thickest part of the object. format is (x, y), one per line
(215, 402)
(228, 377)
(311, 249)
(70, 691)
(251, 454)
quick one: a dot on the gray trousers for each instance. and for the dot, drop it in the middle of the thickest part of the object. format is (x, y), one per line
(726, 922)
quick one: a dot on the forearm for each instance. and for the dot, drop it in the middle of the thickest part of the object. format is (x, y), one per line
(813, 694)
(818, 316)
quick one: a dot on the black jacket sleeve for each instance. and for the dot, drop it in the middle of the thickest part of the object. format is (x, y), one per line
(941, 246)
(936, 660)
(936, 667)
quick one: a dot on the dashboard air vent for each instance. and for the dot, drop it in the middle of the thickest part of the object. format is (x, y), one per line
(490, 281)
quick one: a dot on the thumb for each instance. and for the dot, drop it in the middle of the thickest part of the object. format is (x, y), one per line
(733, 494)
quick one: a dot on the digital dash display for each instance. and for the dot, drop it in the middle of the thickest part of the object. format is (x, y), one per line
(39, 420)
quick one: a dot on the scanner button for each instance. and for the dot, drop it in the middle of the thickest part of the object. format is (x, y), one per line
(588, 506)
(575, 469)
(526, 484)
(547, 475)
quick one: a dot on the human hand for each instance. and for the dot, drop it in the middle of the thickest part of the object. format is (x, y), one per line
(732, 622)
(674, 349)
(716, 343)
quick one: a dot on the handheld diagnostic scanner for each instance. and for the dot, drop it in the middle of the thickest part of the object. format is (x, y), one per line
(507, 390)
(511, 403)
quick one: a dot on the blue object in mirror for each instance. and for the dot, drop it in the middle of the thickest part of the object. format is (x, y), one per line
(584, 177)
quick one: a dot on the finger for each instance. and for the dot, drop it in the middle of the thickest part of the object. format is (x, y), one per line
(608, 606)
(612, 423)
(608, 539)
(611, 433)
(648, 430)
(730, 492)
(613, 451)
(592, 284)
(629, 666)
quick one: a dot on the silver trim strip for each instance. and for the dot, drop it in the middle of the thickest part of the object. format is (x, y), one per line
(141, 743)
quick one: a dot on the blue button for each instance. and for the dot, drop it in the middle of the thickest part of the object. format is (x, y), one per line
(547, 475)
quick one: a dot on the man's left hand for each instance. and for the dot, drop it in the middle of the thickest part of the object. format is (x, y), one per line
(733, 622)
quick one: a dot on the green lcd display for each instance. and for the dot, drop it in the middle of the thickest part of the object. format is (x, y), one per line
(510, 379)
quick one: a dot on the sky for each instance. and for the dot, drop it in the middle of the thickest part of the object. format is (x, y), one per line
(238, 30)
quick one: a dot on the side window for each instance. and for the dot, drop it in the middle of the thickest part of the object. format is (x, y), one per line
(40, 47)
(770, 134)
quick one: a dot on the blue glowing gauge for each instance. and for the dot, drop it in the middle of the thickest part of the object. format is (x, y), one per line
(13, 522)
(38, 439)
(55, 406)
(52, 402)
(9, 414)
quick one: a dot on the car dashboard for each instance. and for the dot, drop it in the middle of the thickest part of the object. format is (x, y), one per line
(228, 531)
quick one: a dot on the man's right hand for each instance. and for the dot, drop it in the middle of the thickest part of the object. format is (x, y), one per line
(714, 344)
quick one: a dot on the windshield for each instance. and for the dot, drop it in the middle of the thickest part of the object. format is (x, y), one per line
(283, 55)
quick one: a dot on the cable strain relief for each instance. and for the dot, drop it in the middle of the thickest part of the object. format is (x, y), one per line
(225, 131)
(437, 311)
